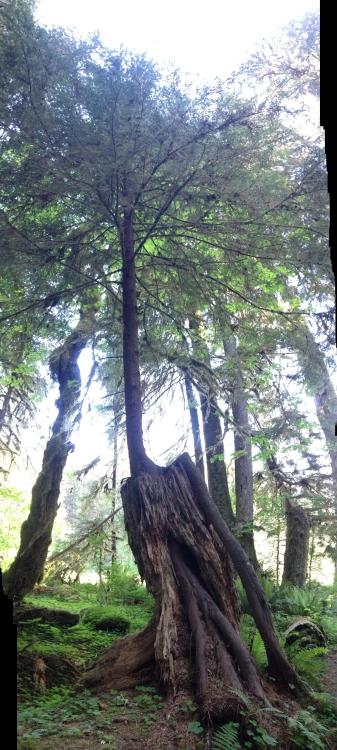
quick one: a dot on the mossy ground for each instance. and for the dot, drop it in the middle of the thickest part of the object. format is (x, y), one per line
(68, 716)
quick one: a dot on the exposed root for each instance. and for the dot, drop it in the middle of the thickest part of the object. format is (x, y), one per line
(128, 662)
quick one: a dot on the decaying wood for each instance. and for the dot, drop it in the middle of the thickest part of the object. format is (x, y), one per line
(196, 642)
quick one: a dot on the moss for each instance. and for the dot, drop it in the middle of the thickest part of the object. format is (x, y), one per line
(105, 618)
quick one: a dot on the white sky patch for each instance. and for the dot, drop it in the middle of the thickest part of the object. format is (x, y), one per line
(208, 40)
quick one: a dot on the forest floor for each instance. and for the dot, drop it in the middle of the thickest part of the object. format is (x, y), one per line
(329, 677)
(55, 711)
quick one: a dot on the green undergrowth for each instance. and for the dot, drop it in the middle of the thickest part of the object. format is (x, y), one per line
(67, 710)
(59, 711)
(128, 607)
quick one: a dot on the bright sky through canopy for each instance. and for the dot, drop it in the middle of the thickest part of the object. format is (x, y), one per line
(209, 39)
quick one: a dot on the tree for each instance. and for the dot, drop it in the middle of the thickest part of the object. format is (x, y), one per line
(138, 163)
(296, 554)
(28, 566)
(175, 531)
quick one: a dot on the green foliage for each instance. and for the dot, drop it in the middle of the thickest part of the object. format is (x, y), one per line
(309, 663)
(105, 618)
(227, 737)
(195, 727)
(307, 731)
(122, 586)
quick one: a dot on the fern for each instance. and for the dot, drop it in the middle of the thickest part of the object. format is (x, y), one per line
(226, 737)
(309, 663)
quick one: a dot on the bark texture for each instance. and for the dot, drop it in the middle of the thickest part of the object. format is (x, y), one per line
(182, 549)
(319, 383)
(297, 545)
(28, 566)
(244, 490)
(216, 467)
(195, 635)
(191, 400)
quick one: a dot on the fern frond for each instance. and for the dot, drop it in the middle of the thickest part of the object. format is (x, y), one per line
(226, 737)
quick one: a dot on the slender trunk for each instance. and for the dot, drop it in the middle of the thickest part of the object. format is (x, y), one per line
(114, 492)
(215, 459)
(244, 491)
(312, 552)
(139, 461)
(278, 551)
(191, 400)
(297, 545)
(28, 566)
(319, 384)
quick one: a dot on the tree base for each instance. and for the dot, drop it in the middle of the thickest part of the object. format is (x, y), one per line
(193, 644)
(128, 662)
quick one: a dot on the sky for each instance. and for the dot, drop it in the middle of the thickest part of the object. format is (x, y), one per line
(202, 39)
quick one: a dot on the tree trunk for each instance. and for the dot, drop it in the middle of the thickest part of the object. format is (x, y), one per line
(297, 545)
(28, 566)
(319, 384)
(191, 400)
(244, 491)
(139, 461)
(181, 546)
(215, 459)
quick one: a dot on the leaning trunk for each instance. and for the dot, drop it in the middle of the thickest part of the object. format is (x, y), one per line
(297, 545)
(28, 566)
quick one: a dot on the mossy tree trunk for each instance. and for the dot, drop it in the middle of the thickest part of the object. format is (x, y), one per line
(182, 548)
(28, 566)
(296, 555)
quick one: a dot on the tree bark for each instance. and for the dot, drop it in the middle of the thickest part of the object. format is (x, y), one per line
(191, 400)
(244, 490)
(216, 467)
(139, 461)
(28, 566)
(320, 386)
(297, 545)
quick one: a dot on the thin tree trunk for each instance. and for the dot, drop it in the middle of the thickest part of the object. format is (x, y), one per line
(139, 461)
(28, 566)
(191, 400)
(297, 545)
(215, 459)
(213, 437)
(311, 552)
(244, 490)
(319, 384)
(114, 486)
